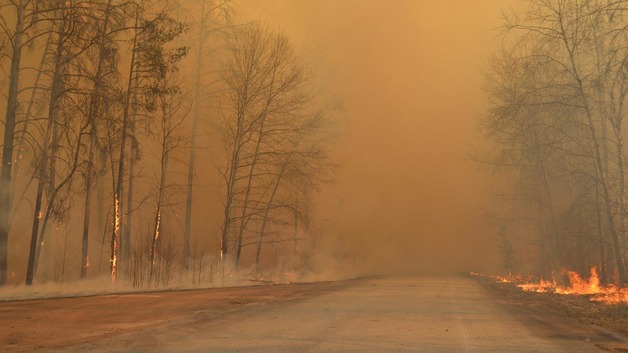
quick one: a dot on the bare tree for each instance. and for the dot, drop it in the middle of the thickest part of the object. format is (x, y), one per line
(271, 114)
(558, 96)
(255, 61)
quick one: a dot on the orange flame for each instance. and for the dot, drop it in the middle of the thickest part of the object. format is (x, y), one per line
(157, 226)
(608, 294)
(114, 257)
(541, 287)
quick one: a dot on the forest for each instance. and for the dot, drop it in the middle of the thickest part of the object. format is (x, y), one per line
(166, 142)
(126, 120)
(558, 93)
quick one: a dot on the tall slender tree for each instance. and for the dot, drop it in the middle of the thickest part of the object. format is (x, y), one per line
(24, 10)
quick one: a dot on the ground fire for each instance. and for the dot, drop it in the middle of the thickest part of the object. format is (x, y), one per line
(607, 294)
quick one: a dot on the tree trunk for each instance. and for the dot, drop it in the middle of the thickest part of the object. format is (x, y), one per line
(296, 230)
(604, 274)
(231, 181)
(192, 158)
(88, 207)
(265, 218)
(113, 269)
(41, 167)
(9, 130)
(125, 242)
(247, 194)
(51, 181)
(93, 114)
(29, 111)
(262, 117)
(160, 193)
(617, 243)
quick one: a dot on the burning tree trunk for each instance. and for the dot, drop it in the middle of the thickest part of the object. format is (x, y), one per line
(171, 107)
(151, 60)
(117, 196)
(163, 172)
(93, 113)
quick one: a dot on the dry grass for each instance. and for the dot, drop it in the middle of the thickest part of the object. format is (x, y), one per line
(576, 307)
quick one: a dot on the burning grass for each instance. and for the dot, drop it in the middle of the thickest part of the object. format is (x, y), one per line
(607, 294)
(584, 300)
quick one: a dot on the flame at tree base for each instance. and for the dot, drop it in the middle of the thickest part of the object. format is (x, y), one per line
(607, 294)
(114, 242)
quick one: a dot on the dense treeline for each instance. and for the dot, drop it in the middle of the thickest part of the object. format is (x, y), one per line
(558, 96)
(111, 107)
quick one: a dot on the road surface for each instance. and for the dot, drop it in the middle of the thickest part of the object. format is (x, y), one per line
(374, 315)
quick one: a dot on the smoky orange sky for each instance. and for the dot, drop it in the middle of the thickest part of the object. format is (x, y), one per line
(410, 74)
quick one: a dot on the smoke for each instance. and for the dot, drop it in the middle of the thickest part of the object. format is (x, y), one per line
(406, 198)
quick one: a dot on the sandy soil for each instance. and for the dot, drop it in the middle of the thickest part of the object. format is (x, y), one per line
(32, 325)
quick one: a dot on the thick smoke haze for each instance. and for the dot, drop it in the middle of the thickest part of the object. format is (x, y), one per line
(410, 73)
(406, 198)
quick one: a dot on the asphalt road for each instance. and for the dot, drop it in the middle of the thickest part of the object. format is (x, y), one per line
(376, 315)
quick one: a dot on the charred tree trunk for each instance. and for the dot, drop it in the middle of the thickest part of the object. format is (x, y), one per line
(113, 269)
(163, 165)
(88, 206)
(91, 119)
(125, 242)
